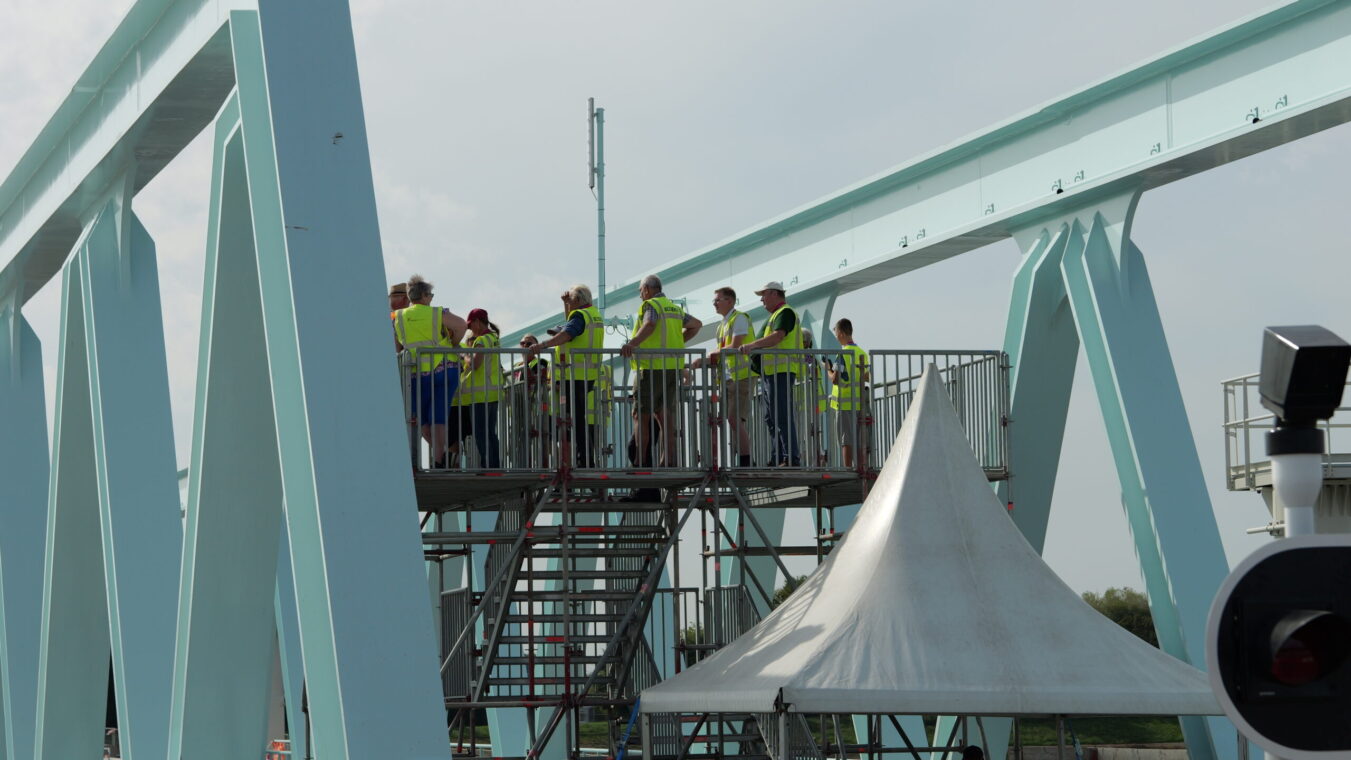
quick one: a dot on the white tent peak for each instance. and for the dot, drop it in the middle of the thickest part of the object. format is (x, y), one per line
(935, 603)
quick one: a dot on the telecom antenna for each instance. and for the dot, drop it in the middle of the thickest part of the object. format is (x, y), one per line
(595, 175)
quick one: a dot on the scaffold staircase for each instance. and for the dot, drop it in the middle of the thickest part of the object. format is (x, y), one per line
(572, 576)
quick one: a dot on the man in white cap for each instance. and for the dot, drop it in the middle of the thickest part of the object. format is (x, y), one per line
(778, 373)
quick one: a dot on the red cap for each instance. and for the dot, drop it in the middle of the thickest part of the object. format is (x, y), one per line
(477, 314)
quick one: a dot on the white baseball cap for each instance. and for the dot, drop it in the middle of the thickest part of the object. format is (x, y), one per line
(771, 285)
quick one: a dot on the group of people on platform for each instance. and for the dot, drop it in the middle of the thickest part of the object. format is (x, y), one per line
(456, 395)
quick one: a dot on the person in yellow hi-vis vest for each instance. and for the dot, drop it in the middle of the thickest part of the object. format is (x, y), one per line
(421, 329)
(849, 395)
(738, 379)
(576, 370)
(660, 324)
(483, 385)
(783, 330)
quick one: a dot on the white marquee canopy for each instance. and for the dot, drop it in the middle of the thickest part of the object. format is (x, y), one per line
(935, 603)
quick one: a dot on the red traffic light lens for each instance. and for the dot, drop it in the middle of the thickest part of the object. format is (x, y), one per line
(1307, 645)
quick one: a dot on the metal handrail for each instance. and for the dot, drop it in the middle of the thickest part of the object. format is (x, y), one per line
(1242, 423)
(539, 421)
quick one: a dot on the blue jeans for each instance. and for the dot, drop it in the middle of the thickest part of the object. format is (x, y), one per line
(780, 419)
(483, 423)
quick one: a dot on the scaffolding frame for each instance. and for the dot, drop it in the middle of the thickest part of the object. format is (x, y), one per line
(580, 600)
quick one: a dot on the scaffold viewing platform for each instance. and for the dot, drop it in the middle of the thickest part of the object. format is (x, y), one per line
(575, 565)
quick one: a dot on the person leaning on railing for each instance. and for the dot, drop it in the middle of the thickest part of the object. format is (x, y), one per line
(848, 395)
(483, 385)
(738, 379)
(660, 324)
(422, 329)
(782, 331)
(575, 371)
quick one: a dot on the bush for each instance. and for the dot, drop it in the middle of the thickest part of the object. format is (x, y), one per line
(1127, 608)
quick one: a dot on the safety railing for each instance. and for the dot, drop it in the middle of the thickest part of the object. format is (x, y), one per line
(686, 410)
(1246, 421)
(977, 383)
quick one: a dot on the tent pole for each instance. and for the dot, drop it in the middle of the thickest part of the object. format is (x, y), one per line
(1060, 737)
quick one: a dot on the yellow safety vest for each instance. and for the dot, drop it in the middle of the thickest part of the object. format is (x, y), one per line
(773, 365)
(848, 394)
(604, 390)
(582, 366)
(670, 334)
(485, 383)
(734, 365)
(418, 328)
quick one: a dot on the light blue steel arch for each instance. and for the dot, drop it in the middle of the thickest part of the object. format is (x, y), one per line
(1105, 284)
(357, 566)
(120, 547)
(23, 523)
(226, 623)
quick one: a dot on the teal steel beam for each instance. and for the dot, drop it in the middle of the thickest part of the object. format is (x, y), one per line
(156, 83)
(1257, 84)
(23, 524)
(226, 628)
(359, 576)
(74, 648)
(1086, 263)
(113, 559)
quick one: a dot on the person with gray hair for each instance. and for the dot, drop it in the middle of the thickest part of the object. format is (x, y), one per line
(580, 293)
(425, 331)
(661, 324)
(576, 370)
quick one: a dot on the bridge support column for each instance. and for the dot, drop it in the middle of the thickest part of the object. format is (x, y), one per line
(23, 524)
(114, 532)
(1084, 281)
(334, 463)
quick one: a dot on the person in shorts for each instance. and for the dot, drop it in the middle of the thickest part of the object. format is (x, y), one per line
(659, 332)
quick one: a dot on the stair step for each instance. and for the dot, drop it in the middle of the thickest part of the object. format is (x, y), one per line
(581, 595)
(539, 640)
(552, 660)
(546, 681)
(601, 552)
(545, 575)
(607, 506)
(555, 617)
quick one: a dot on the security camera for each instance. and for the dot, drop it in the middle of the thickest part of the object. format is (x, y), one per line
(1303, 373)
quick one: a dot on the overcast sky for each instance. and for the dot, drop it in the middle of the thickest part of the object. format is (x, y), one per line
(722, 114)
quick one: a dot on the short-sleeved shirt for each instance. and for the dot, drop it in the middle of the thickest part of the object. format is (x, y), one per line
(576, 325)
(785, 320)
(741, 324)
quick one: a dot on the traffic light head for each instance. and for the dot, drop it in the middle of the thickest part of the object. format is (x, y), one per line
(1279, 646)
(1303, 372)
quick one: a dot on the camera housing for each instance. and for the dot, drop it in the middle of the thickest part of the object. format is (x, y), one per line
(1303, 373)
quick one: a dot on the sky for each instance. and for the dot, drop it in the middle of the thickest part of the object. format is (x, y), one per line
(720, 115)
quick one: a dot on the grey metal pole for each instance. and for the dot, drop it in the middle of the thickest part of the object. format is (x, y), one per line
(600, 205)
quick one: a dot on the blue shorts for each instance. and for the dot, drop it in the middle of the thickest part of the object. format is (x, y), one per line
(430, 395)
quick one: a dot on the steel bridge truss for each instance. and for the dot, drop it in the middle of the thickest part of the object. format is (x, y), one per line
(296, 438)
